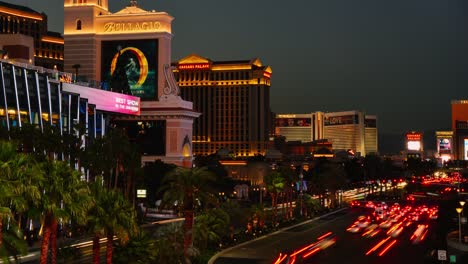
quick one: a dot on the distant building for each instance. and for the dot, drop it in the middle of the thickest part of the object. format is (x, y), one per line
(300, 127)
(234, 100)
(346, 131)
(349, 130)
(47, 47)
(460, 128)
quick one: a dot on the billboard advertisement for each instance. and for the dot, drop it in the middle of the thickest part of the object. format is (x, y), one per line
(133, 62)
(341, 120)
(465, 150)
(414, 145)
(105, 100)
(293, 122)
(444, 145)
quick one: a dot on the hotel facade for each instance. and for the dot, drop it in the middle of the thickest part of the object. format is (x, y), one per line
(233, 98)
(348, 130)
(24, 37)
(460, 129)
(130, 51)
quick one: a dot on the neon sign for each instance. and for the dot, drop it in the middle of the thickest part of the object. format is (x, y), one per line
(197, 66)
(267, 74)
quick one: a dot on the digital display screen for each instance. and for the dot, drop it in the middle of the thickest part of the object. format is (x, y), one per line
(293, 122)
(105, 100)
(414, 145)
(341, 120)
(465, 143)
(444, 144)
(133, 62)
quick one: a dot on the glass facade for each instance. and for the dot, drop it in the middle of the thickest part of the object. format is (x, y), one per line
(32, 96)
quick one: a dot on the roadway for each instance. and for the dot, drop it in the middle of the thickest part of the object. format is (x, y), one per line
(349, 247)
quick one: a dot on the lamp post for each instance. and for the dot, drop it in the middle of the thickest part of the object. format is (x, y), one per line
(462, 203)
(459, 210)
(300, 189)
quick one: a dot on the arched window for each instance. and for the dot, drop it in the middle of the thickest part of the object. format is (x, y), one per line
(78, 24)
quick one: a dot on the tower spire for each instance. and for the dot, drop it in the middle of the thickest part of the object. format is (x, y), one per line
(133, 3)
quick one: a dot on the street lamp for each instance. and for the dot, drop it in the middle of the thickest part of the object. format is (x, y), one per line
(459, 210)
(300, 190)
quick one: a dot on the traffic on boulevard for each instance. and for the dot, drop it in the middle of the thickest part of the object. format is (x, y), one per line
(381, 225)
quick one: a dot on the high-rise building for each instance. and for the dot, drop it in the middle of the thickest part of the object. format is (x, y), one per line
(346, 131)
(300, 127)
(47, 48)
(130, 51)
(349, 130)
(371, 134)
(234, 100)
(460, 128)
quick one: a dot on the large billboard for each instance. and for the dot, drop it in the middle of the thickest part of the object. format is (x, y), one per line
(133, 62)
(341, 120)
(414, 141)
(293, 122)
(105, 100)
(444, 145)
(465, 150)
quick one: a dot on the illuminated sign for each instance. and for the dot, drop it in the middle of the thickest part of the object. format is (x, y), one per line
(141, 193)
(131, 26)
(414, 145)
(267, 74)
(293, 122)
(465, 143)
(286, 116)
(444, 145)
(413, 136)
(196, 66)
(105, 100)
(341, 120)
(132, 62)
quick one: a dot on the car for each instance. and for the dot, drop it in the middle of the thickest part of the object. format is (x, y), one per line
(370, 204)
(386, 224)
(355, 204)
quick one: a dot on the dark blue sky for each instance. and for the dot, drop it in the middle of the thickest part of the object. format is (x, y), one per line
(402, 60)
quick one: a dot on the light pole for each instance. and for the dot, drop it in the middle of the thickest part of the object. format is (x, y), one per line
(300, 188)
(462, 203)
(459, 210)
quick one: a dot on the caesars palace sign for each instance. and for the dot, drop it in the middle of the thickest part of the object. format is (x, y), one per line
(131, 26)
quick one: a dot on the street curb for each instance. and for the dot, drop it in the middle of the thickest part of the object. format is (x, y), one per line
(213, 259)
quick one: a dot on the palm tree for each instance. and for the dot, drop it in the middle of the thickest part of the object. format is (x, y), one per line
(112, 215)
(188, 187)
(332, 177)
(18, 188)
(64, 196)
(211, 227)
(290, 178)
(274, 184)
(141, 248)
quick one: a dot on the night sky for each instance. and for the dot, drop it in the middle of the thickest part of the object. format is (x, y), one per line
(402, 60)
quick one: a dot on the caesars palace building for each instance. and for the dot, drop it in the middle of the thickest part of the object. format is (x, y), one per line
(133, 45)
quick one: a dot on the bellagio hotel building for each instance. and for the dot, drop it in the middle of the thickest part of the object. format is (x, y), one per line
(233, 98)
